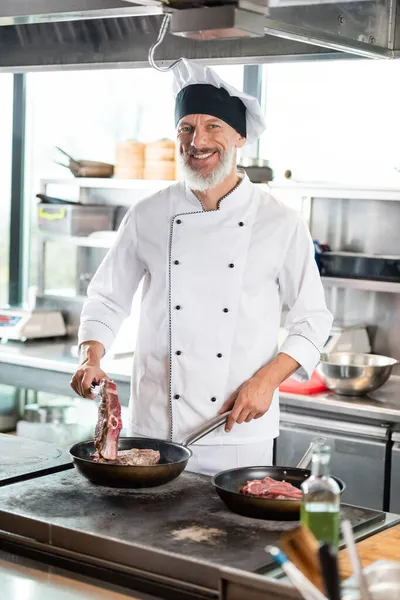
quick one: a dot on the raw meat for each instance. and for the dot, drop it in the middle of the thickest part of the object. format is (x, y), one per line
(109, 422)
(270, 488)
(135, 457)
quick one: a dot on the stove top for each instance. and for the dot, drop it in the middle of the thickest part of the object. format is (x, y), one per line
(182, 526)
(23, 458)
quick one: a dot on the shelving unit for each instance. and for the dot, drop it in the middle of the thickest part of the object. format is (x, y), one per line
(87, 242)
(368, 285)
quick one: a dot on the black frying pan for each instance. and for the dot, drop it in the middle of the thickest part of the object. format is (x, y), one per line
(228, 484)
(174, 458)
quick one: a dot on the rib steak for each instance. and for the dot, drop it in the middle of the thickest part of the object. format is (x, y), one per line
(271, 488)
(109, 422)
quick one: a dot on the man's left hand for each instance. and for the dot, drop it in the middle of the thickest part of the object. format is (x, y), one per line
(250, 401)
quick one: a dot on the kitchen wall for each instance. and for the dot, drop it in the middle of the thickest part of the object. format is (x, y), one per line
(370, 227)
(333, 120)
(6, 100)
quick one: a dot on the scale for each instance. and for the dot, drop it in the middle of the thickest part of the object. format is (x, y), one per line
(22, 324)
(343, 338)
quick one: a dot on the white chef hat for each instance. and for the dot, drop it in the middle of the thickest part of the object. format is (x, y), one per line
(241, 111)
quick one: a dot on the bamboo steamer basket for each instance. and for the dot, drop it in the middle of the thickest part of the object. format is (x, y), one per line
(160, 163)
(161, 150)
(160, 171)
(130, 160)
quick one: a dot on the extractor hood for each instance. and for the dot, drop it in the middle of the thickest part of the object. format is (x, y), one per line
(55, 34)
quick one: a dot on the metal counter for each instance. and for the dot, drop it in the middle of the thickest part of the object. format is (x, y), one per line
(383, 405)
(48, 366)
(180, 531)
(26, 579)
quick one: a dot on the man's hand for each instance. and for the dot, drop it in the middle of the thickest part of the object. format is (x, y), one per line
(89, 369)
(253, 399)
(250, 401)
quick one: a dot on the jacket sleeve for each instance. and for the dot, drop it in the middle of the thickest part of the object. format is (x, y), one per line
(110, 293)
(308, 321)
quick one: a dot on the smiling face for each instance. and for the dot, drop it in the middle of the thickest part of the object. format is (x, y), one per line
(207, 147)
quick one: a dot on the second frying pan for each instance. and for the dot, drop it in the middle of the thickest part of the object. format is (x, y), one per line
(228, 484)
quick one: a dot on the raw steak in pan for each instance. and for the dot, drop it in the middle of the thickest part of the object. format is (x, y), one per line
(270, 488)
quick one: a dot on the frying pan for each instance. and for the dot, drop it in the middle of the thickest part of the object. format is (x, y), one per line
(174, 458)
(228, 484)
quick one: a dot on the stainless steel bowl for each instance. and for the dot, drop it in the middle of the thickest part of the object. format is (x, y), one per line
(351, 374)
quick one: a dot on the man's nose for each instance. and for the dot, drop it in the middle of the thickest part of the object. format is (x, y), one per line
(200, 138)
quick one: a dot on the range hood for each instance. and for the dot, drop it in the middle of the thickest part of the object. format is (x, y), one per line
(55, 34)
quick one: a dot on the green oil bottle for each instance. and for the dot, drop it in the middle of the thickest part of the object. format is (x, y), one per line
(320, 510)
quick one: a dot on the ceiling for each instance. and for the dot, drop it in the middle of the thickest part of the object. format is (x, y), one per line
(64, 34)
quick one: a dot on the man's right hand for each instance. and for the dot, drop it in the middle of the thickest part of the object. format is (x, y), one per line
(89, 370)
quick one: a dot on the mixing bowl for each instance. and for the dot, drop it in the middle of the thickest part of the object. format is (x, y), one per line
(352, 374)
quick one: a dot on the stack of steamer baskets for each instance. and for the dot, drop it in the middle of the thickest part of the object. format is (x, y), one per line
(155, 160)
(129, 160)
(160, 161)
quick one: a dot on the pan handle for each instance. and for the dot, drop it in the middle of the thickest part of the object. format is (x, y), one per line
(205, 429)
(305, 461)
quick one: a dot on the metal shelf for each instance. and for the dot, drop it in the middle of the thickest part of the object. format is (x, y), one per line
(368, 285)
(88, 242)
(110, 183)
(342, 192)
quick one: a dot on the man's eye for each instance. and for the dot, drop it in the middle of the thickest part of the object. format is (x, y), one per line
(185, 129)
(214, 126)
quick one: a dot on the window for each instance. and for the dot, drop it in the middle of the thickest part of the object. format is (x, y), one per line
(333, 120)
(6, 101)
(86, 113)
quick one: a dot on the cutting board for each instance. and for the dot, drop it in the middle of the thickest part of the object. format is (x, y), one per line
(384, 545)
(306, 388)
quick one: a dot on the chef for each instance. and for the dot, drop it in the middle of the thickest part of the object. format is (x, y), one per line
(218, 258)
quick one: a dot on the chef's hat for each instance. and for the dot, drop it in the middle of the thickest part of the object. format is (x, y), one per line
(199, 90)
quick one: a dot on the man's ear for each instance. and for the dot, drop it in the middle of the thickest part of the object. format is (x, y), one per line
(240, 141)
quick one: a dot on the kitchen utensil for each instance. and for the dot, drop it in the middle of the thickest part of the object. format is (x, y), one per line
(44, 199)
(71, 160)
(383, 578)
(301, 547)
(353, 374)
(355, 265)
(229, 483)
(75, 219)
(257, 169)
(52, 413)
(305, 587)
(21, 324)
(382, 547)
(174, 458)
(330, 572)
(348, 536)
(314, 386)
(87, 168)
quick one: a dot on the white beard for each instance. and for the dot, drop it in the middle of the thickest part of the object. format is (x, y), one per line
(202, 183)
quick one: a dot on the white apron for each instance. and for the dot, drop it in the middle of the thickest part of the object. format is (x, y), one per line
(213, 287)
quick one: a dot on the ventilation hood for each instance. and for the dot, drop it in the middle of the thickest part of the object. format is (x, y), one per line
(55, 34)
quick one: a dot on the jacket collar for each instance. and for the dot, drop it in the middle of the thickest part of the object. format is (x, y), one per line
(239, 196)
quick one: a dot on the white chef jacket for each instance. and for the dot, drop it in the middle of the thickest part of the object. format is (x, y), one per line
(213, 287)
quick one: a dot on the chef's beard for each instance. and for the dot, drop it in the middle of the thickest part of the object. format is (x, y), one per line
(201, 183)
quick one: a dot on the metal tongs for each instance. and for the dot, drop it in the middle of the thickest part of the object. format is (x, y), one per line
(95, 388)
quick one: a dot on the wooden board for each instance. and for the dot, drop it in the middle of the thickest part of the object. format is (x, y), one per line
(384, 545)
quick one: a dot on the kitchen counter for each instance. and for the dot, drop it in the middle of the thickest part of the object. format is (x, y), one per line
(180, 532)
(47, 366)
(383, 405)
(20, 576)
